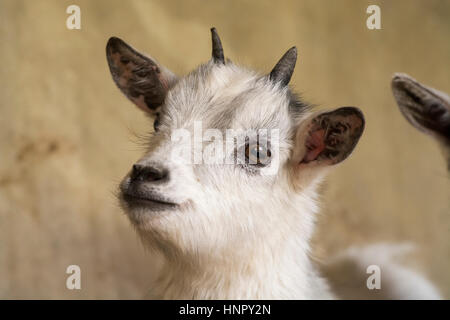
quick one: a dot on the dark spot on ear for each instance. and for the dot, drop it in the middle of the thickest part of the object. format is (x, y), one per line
(124, 60)
(413, 96)
(142, 73)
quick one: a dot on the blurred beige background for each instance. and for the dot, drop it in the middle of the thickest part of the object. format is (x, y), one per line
(67, 135)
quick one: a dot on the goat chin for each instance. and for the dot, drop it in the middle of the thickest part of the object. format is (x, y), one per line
(347, 274)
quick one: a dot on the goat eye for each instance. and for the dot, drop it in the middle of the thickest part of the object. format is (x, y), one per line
(257, 154)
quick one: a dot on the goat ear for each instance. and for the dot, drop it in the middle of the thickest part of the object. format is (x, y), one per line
(329, 137)
(425, 108)
(140, 78)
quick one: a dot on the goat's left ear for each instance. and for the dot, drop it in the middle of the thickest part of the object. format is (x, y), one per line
(328, 138)
(143, 80)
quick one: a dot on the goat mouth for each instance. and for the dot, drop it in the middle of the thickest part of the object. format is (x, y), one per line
(147, 202)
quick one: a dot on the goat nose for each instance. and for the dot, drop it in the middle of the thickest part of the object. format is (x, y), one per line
(141, 173)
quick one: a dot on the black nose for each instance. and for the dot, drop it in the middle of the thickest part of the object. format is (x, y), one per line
(141, 173)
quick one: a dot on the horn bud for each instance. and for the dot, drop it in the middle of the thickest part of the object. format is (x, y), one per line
(283, 70)
(217, 50)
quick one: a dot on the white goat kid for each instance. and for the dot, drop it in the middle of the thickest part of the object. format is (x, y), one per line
(228, 231)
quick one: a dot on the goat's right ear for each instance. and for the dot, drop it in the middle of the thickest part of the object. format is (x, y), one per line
(140, 78)
(328, 138)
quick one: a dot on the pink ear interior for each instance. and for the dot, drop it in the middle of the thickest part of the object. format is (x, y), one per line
(315, 144)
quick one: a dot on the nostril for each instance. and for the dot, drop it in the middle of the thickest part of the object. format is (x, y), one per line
(135, 173)
(136, 168)
(154, 175)
(149, 174)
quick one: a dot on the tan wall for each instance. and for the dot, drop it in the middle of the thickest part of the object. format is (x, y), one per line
(66, 132)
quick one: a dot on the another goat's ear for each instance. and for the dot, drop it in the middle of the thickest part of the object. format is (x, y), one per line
(140, 78)
(425, 108)
(328, 138)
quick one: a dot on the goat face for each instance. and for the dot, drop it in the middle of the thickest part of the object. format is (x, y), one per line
(278, 150)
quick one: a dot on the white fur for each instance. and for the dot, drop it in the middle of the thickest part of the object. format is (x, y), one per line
(236, 235)
(347, 274)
